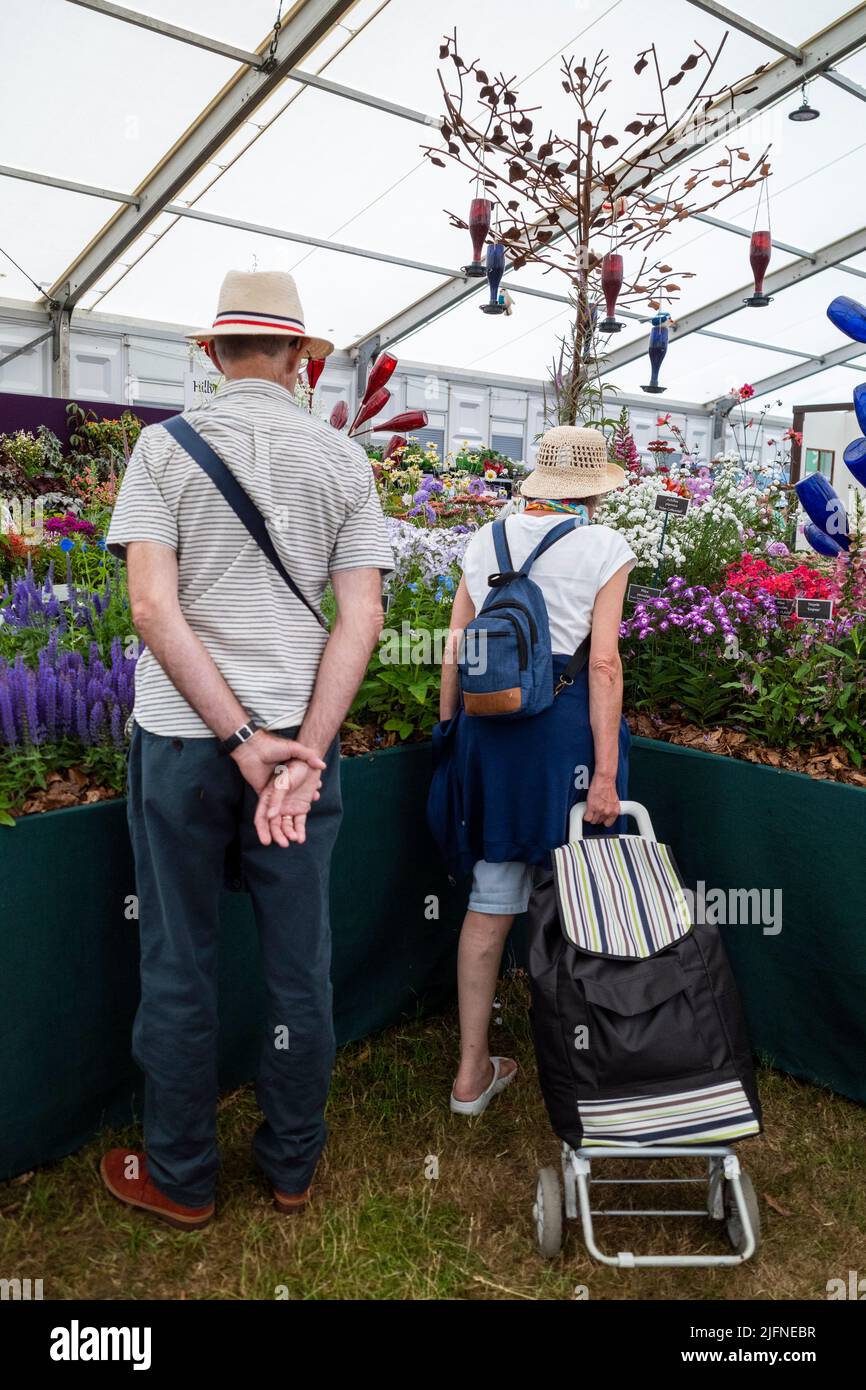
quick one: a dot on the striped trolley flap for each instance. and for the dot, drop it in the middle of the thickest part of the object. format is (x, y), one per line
(620, 896)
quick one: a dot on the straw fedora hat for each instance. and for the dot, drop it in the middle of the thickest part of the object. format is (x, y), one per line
(572, 463)
(261, 301)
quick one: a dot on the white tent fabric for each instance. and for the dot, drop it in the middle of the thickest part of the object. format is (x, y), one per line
(96, 100)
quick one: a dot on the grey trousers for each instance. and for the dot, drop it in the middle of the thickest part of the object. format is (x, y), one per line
(187, 804)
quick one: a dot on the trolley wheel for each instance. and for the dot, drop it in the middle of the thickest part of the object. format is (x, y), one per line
(547, 1213)
(733, 1224)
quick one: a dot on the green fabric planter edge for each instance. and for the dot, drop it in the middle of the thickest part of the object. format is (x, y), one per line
(69, 954)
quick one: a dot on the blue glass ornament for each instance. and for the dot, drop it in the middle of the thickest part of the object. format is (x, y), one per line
(658, 346)
(495, 271)
(855, 459)
(823, 544)
(823, 506)
(860, 406)
(848, 316)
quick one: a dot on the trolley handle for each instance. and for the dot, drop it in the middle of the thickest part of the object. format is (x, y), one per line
(627, 808)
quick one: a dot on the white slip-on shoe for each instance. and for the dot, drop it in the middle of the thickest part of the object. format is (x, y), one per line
(480, 1104)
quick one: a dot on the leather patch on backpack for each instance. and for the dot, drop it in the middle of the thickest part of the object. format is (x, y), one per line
(492, 701)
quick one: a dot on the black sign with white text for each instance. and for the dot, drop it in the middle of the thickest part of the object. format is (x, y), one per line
(639, 593)
(815, 608)
(672, 502)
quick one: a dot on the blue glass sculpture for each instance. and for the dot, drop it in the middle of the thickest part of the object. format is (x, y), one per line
(823, 506)
(855, 458)
(823, 544)
(860, 406)
(658, 346)
(848, 316)
(495, 271)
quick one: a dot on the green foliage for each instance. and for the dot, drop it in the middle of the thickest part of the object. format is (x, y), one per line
(400, 691)
(100, 441)
(27, 459)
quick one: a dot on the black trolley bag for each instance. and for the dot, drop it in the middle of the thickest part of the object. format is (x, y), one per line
(639, 1033)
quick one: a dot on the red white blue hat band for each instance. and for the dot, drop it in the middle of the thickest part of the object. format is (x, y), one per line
(261, 302)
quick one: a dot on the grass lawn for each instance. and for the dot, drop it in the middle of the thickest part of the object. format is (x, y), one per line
(381, 1228)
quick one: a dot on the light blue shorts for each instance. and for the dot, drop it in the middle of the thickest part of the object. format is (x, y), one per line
(501, 889)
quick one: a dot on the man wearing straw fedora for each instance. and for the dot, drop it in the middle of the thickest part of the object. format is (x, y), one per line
(233, 518)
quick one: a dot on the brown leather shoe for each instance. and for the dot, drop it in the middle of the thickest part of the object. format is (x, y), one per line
(290, 1203)
(141, 1192)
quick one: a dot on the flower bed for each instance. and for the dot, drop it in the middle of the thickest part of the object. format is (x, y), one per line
(713, 657)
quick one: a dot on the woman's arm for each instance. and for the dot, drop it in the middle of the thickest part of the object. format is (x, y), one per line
(605, 698)
(462, 612)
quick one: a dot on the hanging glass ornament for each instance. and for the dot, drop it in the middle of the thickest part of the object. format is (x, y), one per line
(315, 367)
(848, 316)
(611, 284)
(495, 272)
(760, 249)
(860, 406)
(820, 542)
(381, 371)
(480, 213)
(369, 407)
(395, 443)
(855, 460)
(339, 415)
(823, 506)
(407, 420)
(658, 346)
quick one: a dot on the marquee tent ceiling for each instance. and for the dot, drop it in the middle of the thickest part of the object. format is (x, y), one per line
(97, 101)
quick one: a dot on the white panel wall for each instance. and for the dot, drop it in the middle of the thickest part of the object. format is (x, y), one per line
(140, 363)
(31, 372)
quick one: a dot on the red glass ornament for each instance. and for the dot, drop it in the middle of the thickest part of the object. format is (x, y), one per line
(480, 211)
(370, 407)
(760, 250)
(315, 367)
(381, 371)
(611, 284)
(397, 441)
(339, 415)
(407, 420)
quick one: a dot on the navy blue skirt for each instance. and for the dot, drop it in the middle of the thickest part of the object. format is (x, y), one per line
(502, 789)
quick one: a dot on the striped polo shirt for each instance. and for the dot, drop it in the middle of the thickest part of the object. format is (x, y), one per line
(316, 491)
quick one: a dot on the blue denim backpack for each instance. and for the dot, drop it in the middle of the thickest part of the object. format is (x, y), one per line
(506, 661)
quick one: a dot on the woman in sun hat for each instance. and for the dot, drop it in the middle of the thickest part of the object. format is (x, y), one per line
(503, 789)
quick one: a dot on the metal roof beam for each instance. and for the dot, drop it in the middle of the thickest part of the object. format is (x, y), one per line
(256, 60)
(839, 79)
(794, 274)
(171, 31)
(748, 26)
(306, 24)
(840, 357)
(753, 95)
(52, 181)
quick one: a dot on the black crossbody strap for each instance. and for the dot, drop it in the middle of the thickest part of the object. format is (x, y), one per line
(243, 507)
(575, 665)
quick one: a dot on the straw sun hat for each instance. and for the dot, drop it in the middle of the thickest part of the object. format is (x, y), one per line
(571, 462)
(261, 301)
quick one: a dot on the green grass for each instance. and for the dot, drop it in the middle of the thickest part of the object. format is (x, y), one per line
(380, 1228)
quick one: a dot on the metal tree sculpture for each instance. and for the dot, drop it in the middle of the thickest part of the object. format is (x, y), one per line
(566, 201)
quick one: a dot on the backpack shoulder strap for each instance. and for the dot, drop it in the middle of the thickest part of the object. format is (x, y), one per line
(243, 506)
(500, 541)
(555, 534)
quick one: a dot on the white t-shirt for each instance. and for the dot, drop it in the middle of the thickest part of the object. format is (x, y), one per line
(569, 574)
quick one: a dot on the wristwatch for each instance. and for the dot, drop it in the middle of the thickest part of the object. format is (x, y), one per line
(241, 735)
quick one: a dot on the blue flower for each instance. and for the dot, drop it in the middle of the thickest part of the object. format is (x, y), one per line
(101, 543)
(67, 544)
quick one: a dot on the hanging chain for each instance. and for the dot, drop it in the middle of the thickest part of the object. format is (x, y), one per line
(271, 60)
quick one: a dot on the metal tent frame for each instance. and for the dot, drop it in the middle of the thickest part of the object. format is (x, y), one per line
(278, 58)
